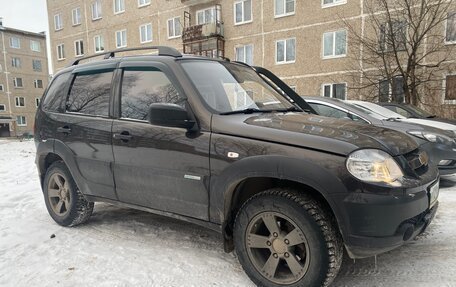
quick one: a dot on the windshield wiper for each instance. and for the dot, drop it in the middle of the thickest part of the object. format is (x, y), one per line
(393, 119)
(244, 111)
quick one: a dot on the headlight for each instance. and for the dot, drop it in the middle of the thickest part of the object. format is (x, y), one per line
(432, 137)
(372, 165)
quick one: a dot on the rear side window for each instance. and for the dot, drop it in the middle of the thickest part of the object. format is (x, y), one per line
(141, 88)
(90, 94)
(56, 93)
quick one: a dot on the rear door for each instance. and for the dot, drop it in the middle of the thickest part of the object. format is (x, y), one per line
(163, 168)
(84, 128)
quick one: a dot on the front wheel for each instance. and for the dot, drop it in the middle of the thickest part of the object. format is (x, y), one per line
(286, 238)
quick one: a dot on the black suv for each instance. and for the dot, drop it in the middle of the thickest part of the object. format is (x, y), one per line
(232, 148)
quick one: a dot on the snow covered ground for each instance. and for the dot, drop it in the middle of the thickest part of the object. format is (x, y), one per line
(123, 247)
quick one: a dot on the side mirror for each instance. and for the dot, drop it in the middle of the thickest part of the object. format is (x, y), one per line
(169, 115)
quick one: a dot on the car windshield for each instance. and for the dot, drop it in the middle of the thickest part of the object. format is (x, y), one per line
(420, 112)
(384, 113)
(230, 88)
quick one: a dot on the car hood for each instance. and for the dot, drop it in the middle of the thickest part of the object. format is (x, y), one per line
(432, 123)
(312, 131)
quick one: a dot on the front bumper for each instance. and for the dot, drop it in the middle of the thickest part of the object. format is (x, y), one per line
(441, 152)
(379, 222)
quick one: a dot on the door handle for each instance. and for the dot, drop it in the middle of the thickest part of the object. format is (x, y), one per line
(64, 130)
(123, 136)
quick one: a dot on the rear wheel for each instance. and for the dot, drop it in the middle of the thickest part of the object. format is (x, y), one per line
(64, 201)
(286, 238)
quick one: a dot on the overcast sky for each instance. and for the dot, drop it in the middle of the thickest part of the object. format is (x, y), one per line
(30, 15)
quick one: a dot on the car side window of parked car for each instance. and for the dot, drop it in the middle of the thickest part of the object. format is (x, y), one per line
(90, 94)
(143, 87)
(331, 112)
(400, 111)
(55, 93)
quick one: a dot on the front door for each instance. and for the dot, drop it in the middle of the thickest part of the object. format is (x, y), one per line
(159, 167)
(4, 130)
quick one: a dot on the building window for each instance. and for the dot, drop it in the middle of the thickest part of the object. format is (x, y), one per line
(205, 16)
(335, 44)
(243, 12)
(96, 10)
(450, 37)
(35, 46)
(21, 121)
(145, 32)
(450, 88)
(286, 51)
(330, 3)
(142, 3)
(76, 16)
(2, 108)
(37, 102)
(79, 48)
(119, 6)
(391, 92)
(15, 43)
(394, 36)
(61, 52)
(17, 82)
(1, 88)
(20, 101)
(121, 39)
(58, 23)
(38, 84)
(16, 62)
(245, 54)
(284, 8)
(174, 28)
(99, 43)
(36, 64)
(337, 91)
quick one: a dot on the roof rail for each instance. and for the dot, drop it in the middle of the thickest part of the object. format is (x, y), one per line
(162, 51)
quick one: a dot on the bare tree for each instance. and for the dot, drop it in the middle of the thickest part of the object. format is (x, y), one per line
(401, 48)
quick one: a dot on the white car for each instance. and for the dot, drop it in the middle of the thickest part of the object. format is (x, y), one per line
(392, 115)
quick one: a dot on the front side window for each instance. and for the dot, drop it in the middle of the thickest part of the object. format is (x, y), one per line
(20, 101)
(99, 43)
(17, 82)
(284, 7)
(335, 44)
(450, 88)
(38, 84)
(35, 46)
(121, 39)
(174, 28)
(245, 54)
(243, 11)
(143, 87)
(90, 94)
(145, 32)
(450, 32)
(286, 51)
(119, 6)
(96, 10)
(143, 2)
(15, 43)
(230, 87)
(79, 48)
(337, 91)
(329, 3)
(76, 16)
(61, 52)
(56, 93)
(21, 121)
(58, 23)
(16, 62)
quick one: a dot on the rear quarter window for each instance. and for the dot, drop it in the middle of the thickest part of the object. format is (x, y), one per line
(90, 94)
(55, 93)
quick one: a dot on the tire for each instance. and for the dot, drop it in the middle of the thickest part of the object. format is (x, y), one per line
(64, 201)
(306, 250)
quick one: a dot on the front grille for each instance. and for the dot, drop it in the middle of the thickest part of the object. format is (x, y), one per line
(418, 161)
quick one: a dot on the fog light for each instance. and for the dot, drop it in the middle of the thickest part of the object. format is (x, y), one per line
(445, 162)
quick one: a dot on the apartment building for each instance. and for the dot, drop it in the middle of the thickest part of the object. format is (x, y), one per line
(23, 77)
(304, 42)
